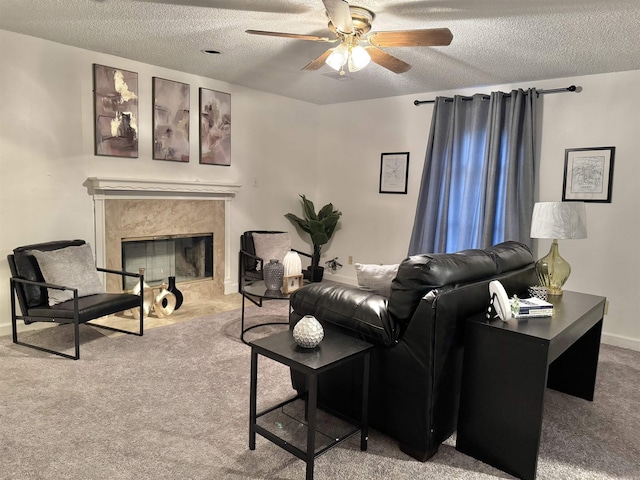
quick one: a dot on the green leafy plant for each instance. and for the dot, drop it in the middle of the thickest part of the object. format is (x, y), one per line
(319, 226)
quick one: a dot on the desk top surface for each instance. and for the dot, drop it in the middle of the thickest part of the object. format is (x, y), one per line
(570, 309)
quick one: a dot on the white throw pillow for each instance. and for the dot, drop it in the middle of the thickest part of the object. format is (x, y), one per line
(271, 245)
(376, 278)
(69, 267)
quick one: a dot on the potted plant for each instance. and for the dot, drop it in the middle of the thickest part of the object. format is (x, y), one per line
(320, 227)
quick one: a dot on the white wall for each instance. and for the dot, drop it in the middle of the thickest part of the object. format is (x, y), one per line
(46, 148)
(284, 147)
(376, 227)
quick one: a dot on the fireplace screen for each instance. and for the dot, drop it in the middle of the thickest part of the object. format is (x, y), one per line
(186, 257)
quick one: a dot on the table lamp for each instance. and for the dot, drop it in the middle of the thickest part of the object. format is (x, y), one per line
(558, 221)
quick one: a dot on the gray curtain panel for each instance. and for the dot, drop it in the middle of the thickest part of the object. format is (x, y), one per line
(479, 174)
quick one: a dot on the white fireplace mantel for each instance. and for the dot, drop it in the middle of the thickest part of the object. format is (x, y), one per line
(139, 188)
(102, 189)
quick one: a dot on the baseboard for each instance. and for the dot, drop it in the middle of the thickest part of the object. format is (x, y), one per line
(621, 341)
(336, 277)
(5, 328)
(230, 287)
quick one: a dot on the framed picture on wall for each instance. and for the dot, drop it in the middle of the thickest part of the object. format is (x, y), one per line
(170, 120)
(215, 127)
(115, 94)
(394, 172)
(588, 174)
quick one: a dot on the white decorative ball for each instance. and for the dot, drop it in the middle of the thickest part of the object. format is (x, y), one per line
(308, 332)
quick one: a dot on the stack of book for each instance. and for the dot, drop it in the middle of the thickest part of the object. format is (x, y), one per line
(530, 307)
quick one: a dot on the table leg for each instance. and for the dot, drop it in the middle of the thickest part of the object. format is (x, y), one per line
(252, 399)
(364, 422)
(501, 401)
(312, 404)
(574, 372)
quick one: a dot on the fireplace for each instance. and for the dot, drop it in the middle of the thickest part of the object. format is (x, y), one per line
(128, 210)
(186, 257)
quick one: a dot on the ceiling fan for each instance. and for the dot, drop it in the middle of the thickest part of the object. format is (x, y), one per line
(357, 46)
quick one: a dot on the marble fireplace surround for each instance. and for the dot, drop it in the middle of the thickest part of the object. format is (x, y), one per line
(139, 208)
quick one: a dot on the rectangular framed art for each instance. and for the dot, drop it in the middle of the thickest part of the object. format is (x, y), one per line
(115, 93)
(588, 174)
(215, 127)
(170, 120)
(394, 172)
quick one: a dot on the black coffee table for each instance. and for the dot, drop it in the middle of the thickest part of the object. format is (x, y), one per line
(296, 425)
(257, 292)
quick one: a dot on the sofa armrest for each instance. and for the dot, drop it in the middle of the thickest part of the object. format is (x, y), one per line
(360, 313)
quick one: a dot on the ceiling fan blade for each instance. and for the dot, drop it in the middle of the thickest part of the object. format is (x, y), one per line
(313, 38)
(318, 62)
(431, 37)
(387, 61)
(340, 15)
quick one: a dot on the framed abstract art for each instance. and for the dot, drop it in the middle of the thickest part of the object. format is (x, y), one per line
(215, 127)
(115, 111)
(170, 120)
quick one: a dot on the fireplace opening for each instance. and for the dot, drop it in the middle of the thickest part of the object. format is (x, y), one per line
(186, 257)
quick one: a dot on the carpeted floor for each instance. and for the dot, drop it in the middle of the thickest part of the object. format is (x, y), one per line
(174, 405)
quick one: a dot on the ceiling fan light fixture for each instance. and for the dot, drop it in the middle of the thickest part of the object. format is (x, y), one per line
(358, 58)
(338, 57)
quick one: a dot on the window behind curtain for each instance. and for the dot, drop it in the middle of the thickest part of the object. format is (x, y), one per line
(478, 179)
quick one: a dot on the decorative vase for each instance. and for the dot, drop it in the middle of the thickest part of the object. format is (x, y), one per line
(308, 332)
(173, 289)
(273, 275)
(147, 294)
(164, 302)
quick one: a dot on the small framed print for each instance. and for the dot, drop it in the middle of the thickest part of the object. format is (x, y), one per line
(394, 172)
(292, 283)
(588, 174)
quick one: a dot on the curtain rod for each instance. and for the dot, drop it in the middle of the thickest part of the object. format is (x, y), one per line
(571, 88)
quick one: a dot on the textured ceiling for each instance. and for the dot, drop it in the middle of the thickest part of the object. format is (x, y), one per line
(494, 41)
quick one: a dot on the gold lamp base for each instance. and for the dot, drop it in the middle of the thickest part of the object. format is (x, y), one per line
(553, 270)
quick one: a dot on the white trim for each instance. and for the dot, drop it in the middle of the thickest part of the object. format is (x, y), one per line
(621, 341)
(102, 189)
(5, 328)
(120, 186)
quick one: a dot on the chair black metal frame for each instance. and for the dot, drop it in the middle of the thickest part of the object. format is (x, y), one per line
(76, 311)
(247, 257)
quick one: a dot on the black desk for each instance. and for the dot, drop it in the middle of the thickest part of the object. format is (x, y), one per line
(257, 292)
(296, 425)
(507, 366)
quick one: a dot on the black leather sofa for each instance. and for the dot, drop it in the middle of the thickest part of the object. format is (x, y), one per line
(416, 367)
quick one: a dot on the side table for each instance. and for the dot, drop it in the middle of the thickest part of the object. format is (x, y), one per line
(257, 292)
(507, 367)
(296, 425)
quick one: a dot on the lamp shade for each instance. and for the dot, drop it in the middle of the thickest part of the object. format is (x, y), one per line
(358, 58)
(559, 220)
(338, 57)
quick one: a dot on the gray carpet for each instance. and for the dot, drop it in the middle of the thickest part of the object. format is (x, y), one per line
(174, 405)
